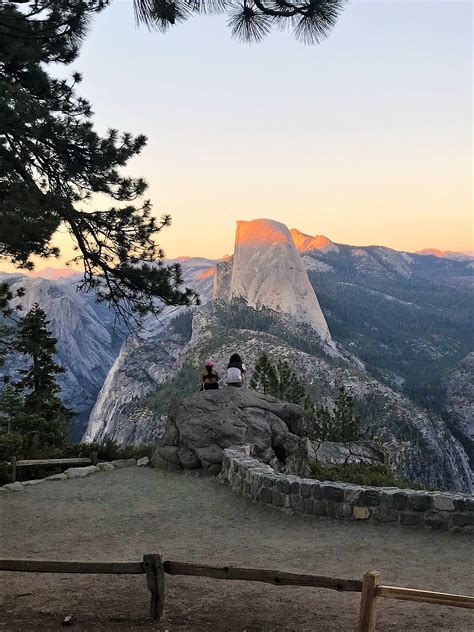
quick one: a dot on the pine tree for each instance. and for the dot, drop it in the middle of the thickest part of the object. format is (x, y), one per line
(249, 20)
(46, 418)
(52, 162)
(339, 424)
(264, 377)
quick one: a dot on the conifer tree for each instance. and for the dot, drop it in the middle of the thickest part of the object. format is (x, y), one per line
(339, 424)
(46, 418)
(264, 376)
(53, 162)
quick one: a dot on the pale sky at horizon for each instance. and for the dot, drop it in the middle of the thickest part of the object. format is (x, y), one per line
(366, 138)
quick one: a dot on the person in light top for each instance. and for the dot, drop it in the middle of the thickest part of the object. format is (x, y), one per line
(235, 371)
(209, 377)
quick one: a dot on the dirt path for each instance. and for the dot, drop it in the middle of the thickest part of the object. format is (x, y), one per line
(121, 515)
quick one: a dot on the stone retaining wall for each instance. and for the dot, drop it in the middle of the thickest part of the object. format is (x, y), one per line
(438, 510)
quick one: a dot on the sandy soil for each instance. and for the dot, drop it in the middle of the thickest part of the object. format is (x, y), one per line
(123, 514)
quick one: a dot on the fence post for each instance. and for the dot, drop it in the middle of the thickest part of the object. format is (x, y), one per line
(368, 602)
(155, 579)
(12, 473)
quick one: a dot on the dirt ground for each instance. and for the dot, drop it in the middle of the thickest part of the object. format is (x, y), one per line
(123, 514)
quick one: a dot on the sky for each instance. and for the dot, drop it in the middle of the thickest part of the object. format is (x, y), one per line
(366, 138)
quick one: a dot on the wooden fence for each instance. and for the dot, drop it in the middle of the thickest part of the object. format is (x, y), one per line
(154, 568)
(14, 464)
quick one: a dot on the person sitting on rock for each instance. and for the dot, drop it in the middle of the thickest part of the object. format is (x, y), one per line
(209, 377)
(235, 371)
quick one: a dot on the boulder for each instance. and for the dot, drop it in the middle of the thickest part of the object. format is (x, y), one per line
(202, 425)
(80, 472)
(119, 463)
(14, 487)
(358, 452)
(143, 462)
(56, 477)
(106, 466)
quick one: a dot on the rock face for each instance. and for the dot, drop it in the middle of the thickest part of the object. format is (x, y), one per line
(87, 339)
(267, 271)
(459, 402)
(203, 425)
(140, 368)
(306, 243)
(357, 453)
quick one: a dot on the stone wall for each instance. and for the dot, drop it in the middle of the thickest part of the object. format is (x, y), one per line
(438, 510)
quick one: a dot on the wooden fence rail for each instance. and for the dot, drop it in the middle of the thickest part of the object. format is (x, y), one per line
(15, 463)
(154, 568)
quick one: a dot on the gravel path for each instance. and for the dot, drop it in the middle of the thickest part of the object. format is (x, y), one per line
(121, 515)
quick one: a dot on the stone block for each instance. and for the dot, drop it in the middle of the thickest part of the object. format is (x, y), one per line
(463, 520)
(277, 498)
(443, 502)
(295, 488)
(332, 492)
(14, 487)
(143, 462)
(343, 510)
(59, 477)
(106, 467)
(419, 501)
(369, 498)
(400, 501)
(80, 472)
(297, 503)
(283, 485)
(361, 513)
(286, 500)
(469, 504)
(352, 494)
(119, 463)
(306, 489)
(265, 495)
(316, 491)
(308, 505)
(385, 514)
(410, 518)
(319, 507)
(437, 521)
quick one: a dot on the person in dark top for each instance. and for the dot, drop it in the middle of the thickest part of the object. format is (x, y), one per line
(235, 371)
(209, 377)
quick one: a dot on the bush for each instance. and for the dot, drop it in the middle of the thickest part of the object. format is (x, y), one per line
(109, 450)
(374, 475)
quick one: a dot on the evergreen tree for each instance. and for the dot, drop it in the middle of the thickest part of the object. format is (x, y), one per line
(339, 424)
(264, 377)
(52, 162)
(44, 417)
(249, 20)
(280, 381)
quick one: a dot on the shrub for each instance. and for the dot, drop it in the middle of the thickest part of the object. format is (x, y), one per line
(375, 475)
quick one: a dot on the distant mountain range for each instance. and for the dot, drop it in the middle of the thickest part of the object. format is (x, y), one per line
(447, 254)
(400, 328)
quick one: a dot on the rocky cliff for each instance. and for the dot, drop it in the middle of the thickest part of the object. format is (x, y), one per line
(458, 396)
(88, 341)
(267, 271)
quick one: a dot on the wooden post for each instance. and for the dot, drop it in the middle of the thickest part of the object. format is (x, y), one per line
(94, 458)
(12, 472)
(368, 602)
(155, 579)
